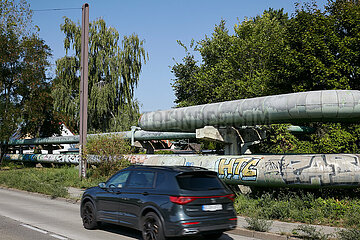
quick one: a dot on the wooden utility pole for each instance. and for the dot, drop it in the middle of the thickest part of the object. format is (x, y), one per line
(84, 89)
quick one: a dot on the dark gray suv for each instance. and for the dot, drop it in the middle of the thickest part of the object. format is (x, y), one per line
(162, 202)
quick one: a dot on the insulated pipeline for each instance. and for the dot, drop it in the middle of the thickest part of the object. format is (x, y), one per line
(325, 106)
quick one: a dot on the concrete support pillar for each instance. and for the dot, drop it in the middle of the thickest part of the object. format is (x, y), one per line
(237, 141)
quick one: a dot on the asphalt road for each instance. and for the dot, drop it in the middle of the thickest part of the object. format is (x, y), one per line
(14, 230)
(32, 216)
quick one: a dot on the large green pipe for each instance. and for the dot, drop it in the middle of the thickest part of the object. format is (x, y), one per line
(303, 170)
(295, 108)
(138, 135)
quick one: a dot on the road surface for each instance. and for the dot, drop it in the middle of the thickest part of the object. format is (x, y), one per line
(14, 230)
(33, 216)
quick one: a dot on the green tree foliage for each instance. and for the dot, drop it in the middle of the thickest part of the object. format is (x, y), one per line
(323, 48)
(234, 66)
(281, 141)
(185, 88)
(25, 101)
(274, 54)
(38, 117)
(345, 17)
(114, 72)
(16, 16)
(10, 70)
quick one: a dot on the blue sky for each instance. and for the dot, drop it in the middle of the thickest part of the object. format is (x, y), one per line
(160, 23)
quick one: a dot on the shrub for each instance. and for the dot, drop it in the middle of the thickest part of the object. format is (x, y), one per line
(110, 148)
(258, 224)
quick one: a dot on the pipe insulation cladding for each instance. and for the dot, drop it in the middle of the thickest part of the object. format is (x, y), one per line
(303, 170)
(295, 108)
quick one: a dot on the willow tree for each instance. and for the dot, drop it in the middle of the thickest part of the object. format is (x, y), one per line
(114, 71)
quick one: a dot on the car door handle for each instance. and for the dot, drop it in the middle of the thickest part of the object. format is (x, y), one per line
(118, 192)
(145, 193)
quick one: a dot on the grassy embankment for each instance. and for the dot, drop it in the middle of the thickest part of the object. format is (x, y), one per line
(333, 207)
(50, 181)
(336, 207)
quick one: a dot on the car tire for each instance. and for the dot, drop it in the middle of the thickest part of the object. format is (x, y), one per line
(151, 227)
(214, 235)
(89, 216)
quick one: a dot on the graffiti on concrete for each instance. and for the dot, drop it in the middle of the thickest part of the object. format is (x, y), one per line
(323, 170)
(237, 168)
(46, 158)
(314, 170)
(311, 170)
(137, 159)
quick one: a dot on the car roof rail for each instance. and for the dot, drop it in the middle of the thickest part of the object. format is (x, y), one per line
(177, 168)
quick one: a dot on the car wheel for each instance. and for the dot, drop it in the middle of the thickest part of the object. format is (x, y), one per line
(152, 228)
(214, 235)
(89, 216)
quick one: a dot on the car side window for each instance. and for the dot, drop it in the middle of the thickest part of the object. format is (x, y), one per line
(141, 179)
(119, 180)
(161, 181)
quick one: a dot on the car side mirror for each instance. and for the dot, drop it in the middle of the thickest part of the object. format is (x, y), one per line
(102, 185)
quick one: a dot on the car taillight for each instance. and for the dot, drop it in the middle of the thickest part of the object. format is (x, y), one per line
(231, 197)
(181, 200)
(190, 223)
(185, 200)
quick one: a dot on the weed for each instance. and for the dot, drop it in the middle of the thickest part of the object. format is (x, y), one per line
(310, 232)
(348, 234)
(336, 208)
(258, 224)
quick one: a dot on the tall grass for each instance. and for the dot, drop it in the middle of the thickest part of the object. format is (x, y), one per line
(54, 181)
(50, 181)
(337, 207)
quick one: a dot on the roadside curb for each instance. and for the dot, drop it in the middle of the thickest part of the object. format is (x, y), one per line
(260, 235)
(280, 230)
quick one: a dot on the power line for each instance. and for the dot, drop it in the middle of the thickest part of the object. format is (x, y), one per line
(54, 9)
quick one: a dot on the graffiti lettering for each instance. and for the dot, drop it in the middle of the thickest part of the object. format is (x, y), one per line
(137, 159)
(225, 167)
(189, 164)
(237, 168)
(249, 172)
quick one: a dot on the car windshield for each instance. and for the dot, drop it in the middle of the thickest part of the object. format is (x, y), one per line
(197, 182)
